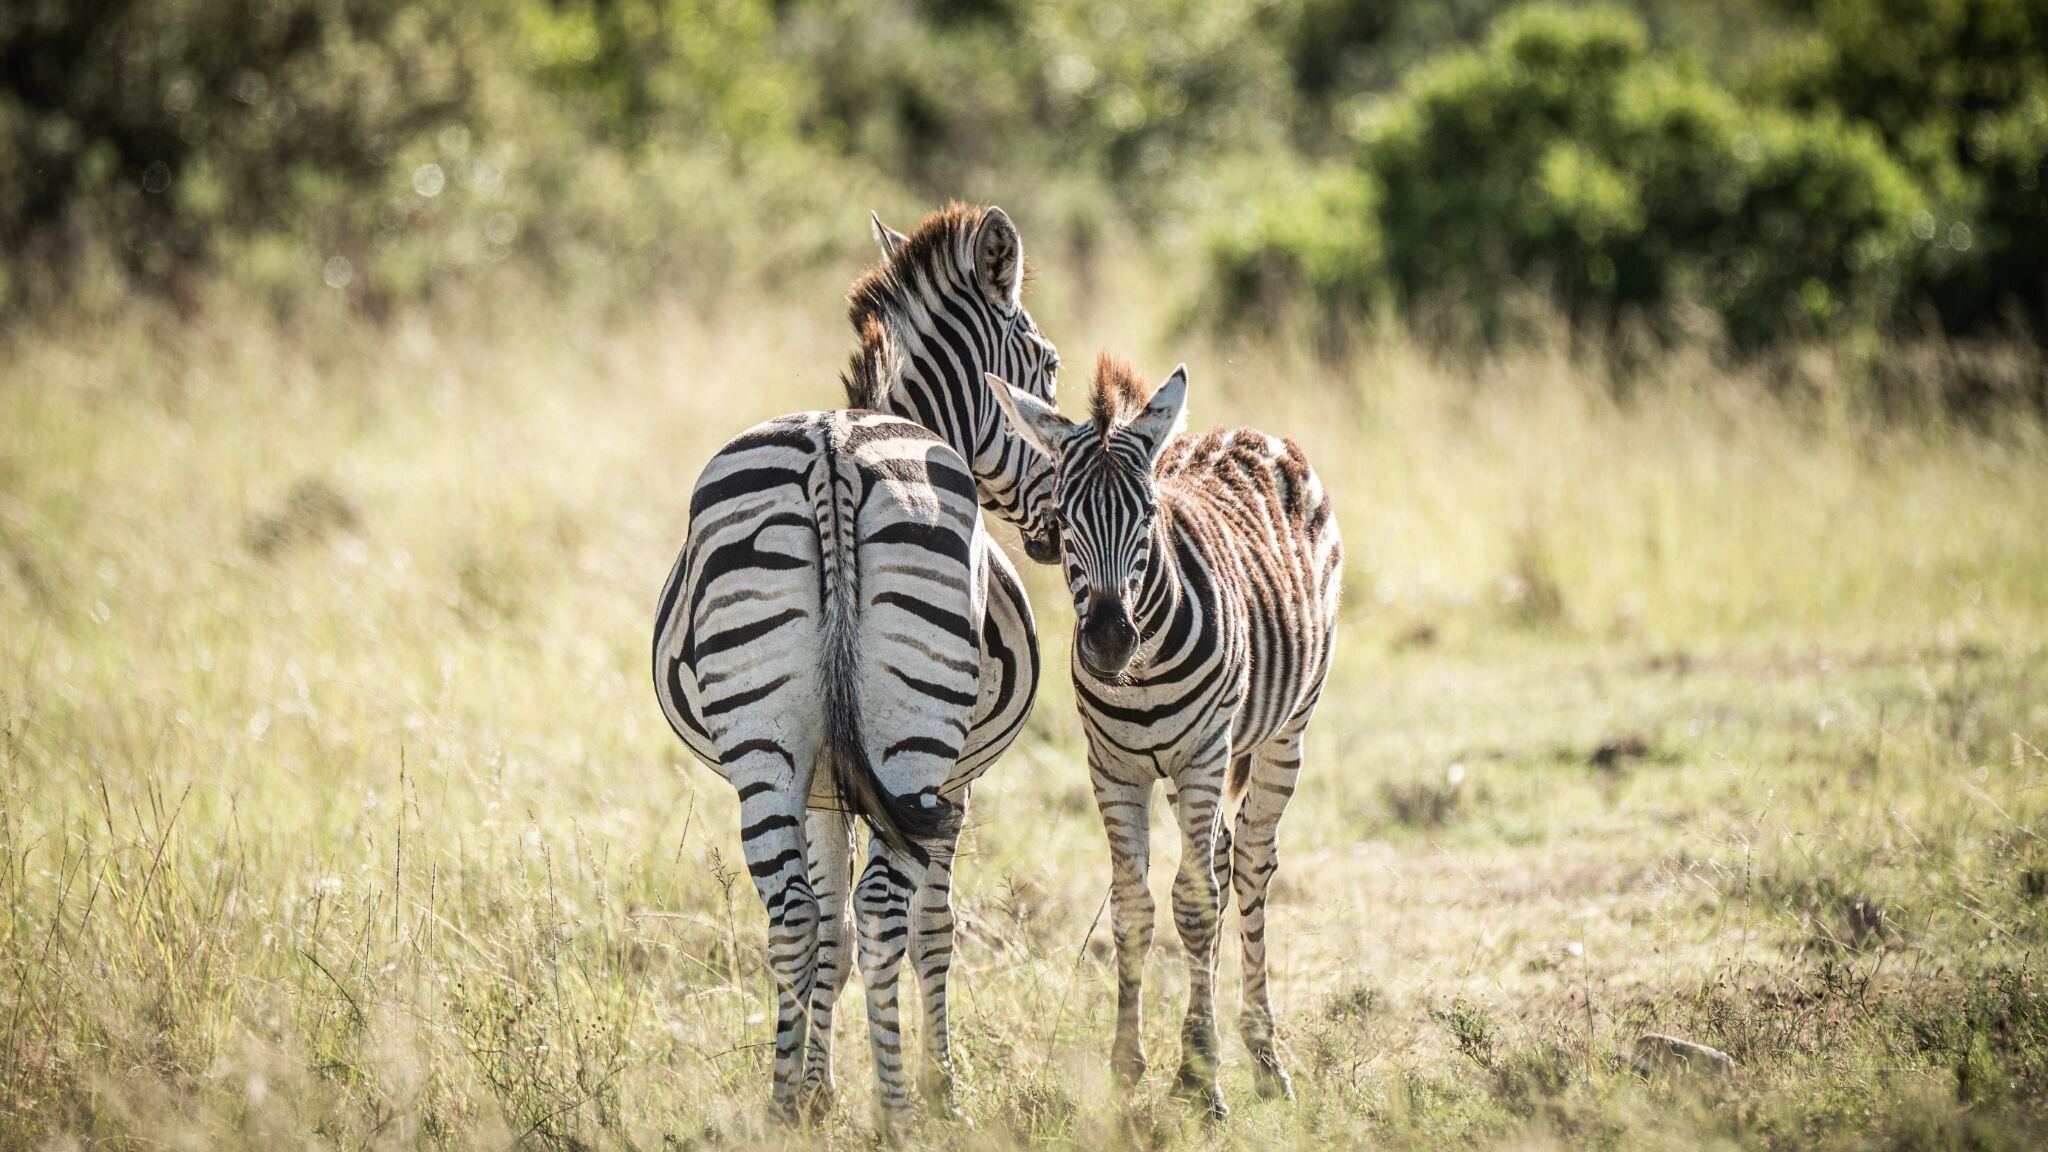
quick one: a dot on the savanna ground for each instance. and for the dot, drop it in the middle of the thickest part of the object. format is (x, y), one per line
(336, 808)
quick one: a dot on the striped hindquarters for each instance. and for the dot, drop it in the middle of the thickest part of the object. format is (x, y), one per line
(829, 607)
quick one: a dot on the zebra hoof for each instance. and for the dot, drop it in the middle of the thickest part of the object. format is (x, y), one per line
(1207, 1102)
(785, 1113)
(1202, 1093)
(1129, 1067)
(936, 1091)
(1271, 1080)
(817, 1103)
(892, 1125)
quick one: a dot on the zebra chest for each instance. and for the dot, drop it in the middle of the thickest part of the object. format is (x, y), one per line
(1154, 727)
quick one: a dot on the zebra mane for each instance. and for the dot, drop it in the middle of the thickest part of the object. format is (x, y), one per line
(873, 367)
(940, 249)
(1119, 394)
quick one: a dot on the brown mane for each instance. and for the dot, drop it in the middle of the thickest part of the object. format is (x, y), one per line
(1119, 394)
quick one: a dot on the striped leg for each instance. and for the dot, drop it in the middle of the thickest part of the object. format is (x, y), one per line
(830, 836)
(881, 903)
(1127, 817)
(1275, 769)
(1198, 912)
(931, 954)
(1222, 865)
(771, 835)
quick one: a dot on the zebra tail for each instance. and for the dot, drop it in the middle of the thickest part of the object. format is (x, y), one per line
(898, 820)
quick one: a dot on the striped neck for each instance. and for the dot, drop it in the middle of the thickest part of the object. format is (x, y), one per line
(943, 309)
(1159, 596)
(938, 384)
(923, 359)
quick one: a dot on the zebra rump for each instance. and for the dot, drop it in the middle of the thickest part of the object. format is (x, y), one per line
(901, 821)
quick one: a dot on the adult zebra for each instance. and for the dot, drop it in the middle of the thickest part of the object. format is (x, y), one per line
(838, 603)
(1205, 572)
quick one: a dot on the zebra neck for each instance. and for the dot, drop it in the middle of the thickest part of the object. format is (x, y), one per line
(1159, 596)
(931, 387)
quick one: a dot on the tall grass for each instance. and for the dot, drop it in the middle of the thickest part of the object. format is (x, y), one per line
(335, 807)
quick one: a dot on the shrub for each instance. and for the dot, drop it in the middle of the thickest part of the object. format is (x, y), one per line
(1566, 157)
(1958, 90)
(149, 128)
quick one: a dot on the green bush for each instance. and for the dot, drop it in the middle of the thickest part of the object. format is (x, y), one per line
(1958, 89)
(142, 131)
(390, 146)
(1566, 158)
(1371, 157)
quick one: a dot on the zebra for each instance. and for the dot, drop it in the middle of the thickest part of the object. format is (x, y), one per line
(1205, 572)
(838, 604)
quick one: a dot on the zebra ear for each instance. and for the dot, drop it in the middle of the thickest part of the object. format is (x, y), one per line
(1037, 423)
(886, 238)
(999, 260)
(1165, 413)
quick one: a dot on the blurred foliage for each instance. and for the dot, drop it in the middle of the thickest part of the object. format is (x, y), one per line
(1958, 89)
(1565, 156)
(1784, 168)
(1847, 166)
(135, 132)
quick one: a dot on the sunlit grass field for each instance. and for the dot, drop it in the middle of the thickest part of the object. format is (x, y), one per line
(336, 808)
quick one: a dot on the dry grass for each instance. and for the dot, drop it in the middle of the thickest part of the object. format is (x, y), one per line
(335, 807)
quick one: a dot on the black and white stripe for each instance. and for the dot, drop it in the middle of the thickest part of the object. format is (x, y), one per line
(947, 300)
(1205, 573)
(840, 637)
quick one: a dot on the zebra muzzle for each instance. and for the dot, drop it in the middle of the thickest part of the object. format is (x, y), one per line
(1043, 546)
(1108, 637)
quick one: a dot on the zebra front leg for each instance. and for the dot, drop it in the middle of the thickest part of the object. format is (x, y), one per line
(771, 836)
(931, 955)
(830, 839)
(1127, 817)
(1275, 770)
(1198, 913)
(881, 905)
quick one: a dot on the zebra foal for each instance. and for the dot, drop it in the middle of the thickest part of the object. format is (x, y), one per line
(840, 637)
(1205, 572)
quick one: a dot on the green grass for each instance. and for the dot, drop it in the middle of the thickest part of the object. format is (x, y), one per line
(335, 807)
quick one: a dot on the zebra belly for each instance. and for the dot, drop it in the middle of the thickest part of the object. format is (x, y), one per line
(1009, 670)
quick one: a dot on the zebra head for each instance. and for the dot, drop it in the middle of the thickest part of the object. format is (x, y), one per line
(1106, 497)
(945, 306)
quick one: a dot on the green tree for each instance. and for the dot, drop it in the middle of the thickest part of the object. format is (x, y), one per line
(1565, 156)
(1958, 90)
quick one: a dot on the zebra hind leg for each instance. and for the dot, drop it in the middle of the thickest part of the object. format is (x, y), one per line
(881, 905)
(1275, 769)
(830, 837)
(771, 836)
(931, 956)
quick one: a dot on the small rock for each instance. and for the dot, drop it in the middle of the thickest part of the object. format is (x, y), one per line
(1656, 1052)
(1867, 919)
(1614, 753)
(1420, 636)
(2034, 883)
